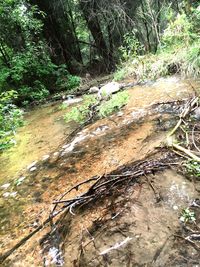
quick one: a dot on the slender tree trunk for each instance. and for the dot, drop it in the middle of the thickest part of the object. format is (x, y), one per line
(146, 28)
(4, 55)
(74, 32)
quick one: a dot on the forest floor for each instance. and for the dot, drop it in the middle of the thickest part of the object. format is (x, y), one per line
(131, 216)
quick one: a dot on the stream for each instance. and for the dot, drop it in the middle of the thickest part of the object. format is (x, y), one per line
(43, 165)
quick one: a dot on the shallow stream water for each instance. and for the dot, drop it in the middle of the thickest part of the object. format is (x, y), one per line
(42, 165)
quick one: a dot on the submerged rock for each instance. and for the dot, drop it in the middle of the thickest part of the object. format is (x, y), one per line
(33, 169)
(45, 157)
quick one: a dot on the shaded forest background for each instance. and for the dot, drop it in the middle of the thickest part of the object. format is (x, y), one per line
(49, 46)
(43, 42)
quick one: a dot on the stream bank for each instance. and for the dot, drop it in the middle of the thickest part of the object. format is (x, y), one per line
(129, 135)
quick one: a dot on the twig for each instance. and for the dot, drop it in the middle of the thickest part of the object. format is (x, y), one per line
(184, 113)
(189, 241)
(4, 256)
(101, 186)
(116, 246)
(186, 151)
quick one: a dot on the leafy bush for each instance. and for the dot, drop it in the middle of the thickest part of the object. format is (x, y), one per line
(114, 104)
(178, 31)
(131, 46)
(10, 119)
(66, 81)
(120, 74)
(37, 92)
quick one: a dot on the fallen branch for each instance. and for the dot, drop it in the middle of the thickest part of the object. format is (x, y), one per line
(184, 113)
(186, 151)
(4, 256)
(100, 187)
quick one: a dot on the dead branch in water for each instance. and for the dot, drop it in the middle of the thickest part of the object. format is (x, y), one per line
(101, 187)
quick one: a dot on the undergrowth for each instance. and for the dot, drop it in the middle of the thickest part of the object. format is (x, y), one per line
(114, 104)
(178, 52)
(10, 119)
(81, 113)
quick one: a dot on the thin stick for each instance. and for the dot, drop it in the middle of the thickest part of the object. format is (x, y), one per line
(4, 256)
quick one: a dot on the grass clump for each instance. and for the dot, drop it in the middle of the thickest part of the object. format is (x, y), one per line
(187, 216)
(81, 113)
(114, 104)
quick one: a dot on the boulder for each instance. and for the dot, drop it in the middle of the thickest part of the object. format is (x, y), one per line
(108, 90)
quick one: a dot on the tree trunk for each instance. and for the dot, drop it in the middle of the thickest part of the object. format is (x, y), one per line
(88, 8)
(59, 33)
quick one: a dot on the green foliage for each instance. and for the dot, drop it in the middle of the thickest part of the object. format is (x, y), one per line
(36, 93)
(178, 31)
(187, 216)
(10, 119)
(193, 168)
(63, 106)
(81, 113)
(131, 46)
(25, 63)
(114, 104)
(179, 50)
(120, 74)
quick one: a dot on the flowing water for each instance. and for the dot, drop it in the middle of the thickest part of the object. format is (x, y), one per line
(42, 166)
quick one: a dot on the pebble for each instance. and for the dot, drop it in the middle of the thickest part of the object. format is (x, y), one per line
(13, 194)
(175, 207)
(5, 186)
(6, 194)
(33, 169)
(45, 157)
(21, 179)
(120, 114)
(32, 165)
